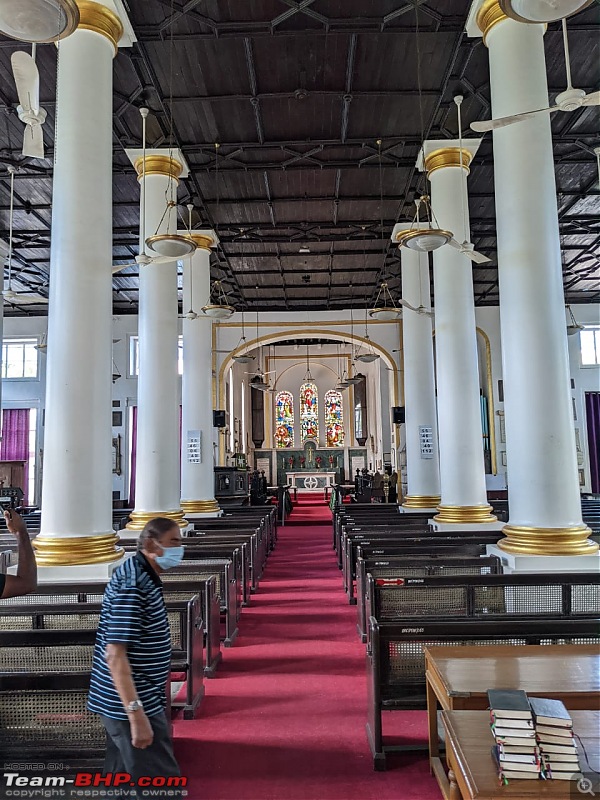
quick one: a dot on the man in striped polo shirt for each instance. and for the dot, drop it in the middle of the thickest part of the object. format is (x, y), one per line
(132, 659)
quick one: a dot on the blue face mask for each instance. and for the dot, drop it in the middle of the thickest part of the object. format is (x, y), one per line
(171, 557)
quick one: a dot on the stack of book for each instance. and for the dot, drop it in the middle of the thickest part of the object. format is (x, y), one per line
(554, 734)
(516, 750)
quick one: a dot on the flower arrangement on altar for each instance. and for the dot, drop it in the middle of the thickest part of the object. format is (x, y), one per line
(331, 459)
(291, 462)
(318, 462)
(302, 461)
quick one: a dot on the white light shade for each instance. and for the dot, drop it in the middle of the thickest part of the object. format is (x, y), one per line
(573, 329)
(542, 10)
(38, 20)
(218, 312)
(353, 381)
(367, 358)
(243, 359)
(171, 245)
(385, 313)
(424, 241)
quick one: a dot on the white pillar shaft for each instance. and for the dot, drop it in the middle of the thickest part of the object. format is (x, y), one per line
(157, 478)
(462, 469)
(77, 480)
(197, 479)
(419, 381)
(540, 440)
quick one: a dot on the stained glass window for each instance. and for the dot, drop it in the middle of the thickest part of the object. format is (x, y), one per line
(334, 419)
(284, 419)
(309, 412)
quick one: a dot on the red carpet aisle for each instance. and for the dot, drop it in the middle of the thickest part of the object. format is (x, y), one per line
(285, 718)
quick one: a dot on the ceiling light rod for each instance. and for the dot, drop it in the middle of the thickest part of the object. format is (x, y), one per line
(243, 358)
(191, 314)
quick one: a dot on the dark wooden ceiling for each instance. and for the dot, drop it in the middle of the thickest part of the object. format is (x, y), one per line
(297, 95)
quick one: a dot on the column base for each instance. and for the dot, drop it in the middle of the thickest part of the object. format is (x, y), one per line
(138, 519)
(74, 551)
(86, 573)
(201, 508)
(421, 502)
(545, 563)
(531, 541)
(468, 514)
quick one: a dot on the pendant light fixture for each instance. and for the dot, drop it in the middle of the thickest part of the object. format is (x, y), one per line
(573, 326)
(351, 379)
(340, 385)
(170, 244)
(38, 21)
(218, 307)
(308, 378)
(243, 358)
(190, 314)
(536, 11)
(388, 310)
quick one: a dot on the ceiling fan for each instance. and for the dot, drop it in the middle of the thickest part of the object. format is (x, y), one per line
(427, 312)
(17, 298)
(143, 259)
(27, 80)
(569, 100)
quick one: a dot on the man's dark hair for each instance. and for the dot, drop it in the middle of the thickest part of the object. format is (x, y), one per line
(154, 529)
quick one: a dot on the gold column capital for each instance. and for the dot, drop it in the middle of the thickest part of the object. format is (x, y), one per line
(159, 165)
(447, 157)
(74, 551)
(138, 519)
(489, 15)
(100, 19)
(530, 541)
(202, 241)
(467, 514)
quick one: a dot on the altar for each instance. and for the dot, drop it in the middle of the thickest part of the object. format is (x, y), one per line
(307, 480)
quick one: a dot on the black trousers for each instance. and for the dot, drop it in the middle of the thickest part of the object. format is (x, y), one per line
(154, 761)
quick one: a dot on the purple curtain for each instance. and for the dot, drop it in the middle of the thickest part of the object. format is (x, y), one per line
(15, 441)
(592, 411)
(133, 458)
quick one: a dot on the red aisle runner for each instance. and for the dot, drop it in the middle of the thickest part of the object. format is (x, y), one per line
(285, 718)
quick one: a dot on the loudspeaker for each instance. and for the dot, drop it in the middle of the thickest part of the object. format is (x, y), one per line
(398, 415)
(219, 419)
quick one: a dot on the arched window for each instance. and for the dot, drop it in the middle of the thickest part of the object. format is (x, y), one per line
(309, 412)
(284, 419)
(334, 419)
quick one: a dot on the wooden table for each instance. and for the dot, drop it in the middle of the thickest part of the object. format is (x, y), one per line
(472, 770)
(458, 678)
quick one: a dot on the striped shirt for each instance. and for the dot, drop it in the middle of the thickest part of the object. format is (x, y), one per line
(133, 613)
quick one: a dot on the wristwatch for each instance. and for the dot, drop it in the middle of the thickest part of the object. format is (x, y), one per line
(135, 705)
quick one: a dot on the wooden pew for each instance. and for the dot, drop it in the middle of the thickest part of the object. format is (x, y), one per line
(396, 663)
(400, 567)
(429, 541)
(72, 610)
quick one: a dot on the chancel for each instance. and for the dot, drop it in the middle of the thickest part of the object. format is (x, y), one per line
(317, 286)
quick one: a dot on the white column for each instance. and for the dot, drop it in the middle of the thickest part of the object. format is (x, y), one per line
(462, 467)
(197, 472)
(157, 480)
(76, 526)
(545, 506)
(423, 469)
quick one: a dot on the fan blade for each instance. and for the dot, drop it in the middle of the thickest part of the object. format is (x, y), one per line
(120, 267)
(27, 80)
(592, 99)
(162, 260)
(478, 258)
(406, 304)
(26, 300)
(33, 141)
(502, 122)
(455, 244)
